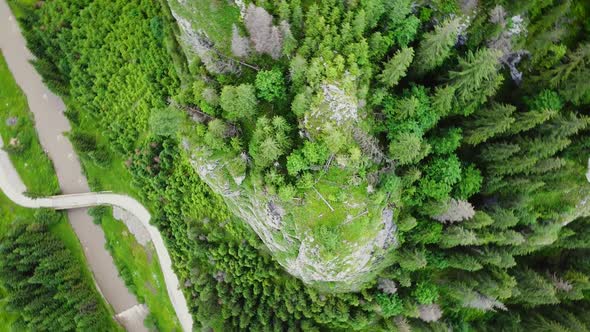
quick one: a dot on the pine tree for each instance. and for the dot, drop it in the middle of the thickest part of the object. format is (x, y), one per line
(564, 125)
(269, 141)
(528, 120)
(411, 260)
(457, 236)
(479, 220)
(463, 261)
(476, 78)
(499, 257)
(571, 77)
(396, 67)
(238, 102)
(542, 147)
(533, 289)
(579, 238)
(548, 165)
(488, 122)
(407, 148)
(498, 152)
(508, 238)
(503, 218)
(443, 99)
(436, 46)
(44, 284)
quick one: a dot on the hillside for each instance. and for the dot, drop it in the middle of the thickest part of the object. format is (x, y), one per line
(343, 165)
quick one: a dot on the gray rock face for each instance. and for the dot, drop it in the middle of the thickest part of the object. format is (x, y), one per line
(196, 42)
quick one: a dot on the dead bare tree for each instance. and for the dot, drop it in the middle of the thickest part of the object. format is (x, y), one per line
(193, 111)
(266, 37)
(240, 46)
(430, 312)
(369, 145)
(457, 210)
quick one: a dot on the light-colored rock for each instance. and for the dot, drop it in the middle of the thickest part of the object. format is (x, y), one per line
(142, 236)
(11, 121)
(132, 318)
(342, 106)
(197, 42)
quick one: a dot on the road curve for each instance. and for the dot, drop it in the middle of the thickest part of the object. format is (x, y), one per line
(13, 188)
(50, 124)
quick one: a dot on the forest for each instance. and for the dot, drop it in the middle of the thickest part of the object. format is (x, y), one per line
(43, 284)
(373, 165)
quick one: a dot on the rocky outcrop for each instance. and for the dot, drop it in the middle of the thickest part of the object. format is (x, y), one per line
(298, 252)
(292, 231)
(196, 42)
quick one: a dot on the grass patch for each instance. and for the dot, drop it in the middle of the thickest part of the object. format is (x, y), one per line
(17, 125)
(139, 267)
(19, 7)
(141, 272)
(353, 221)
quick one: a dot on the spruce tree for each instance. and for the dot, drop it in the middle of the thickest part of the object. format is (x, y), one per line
(533, 288)
(476, 79)
(435, 46)
(396, 67)
(527, 120)
(571, 77)
(488, 122)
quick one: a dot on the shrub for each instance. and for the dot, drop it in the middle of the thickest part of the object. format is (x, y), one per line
(425, 292)
(101, 156)
(287, 193)
(390, 305)
(84, 142)
(238, 102)
(97, 213)
(270, 85)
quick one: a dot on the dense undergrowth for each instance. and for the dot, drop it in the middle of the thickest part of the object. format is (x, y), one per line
(468, 120)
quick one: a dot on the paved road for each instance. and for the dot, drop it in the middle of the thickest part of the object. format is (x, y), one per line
(51, 123)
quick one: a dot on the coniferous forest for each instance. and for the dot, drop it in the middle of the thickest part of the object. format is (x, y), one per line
(44, 285)
(374, 165)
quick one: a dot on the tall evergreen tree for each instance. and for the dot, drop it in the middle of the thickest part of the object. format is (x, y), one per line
(436, 46)
(396, 67)
(488, 122)
(476, 79)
